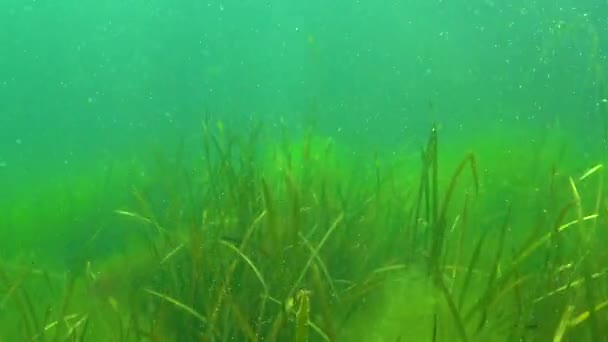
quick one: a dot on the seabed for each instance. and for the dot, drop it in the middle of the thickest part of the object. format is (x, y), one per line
(257, 237)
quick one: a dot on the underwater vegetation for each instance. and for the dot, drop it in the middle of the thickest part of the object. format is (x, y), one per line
(259, 237)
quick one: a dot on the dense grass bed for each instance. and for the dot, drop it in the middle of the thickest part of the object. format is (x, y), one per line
(252, 237)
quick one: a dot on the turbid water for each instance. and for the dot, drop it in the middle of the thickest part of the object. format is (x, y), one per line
(293, 171)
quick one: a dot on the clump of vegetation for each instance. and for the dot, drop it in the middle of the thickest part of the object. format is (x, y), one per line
(280, 240)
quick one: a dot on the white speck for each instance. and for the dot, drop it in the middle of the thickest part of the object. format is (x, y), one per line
(604, 100)
(18, 141)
